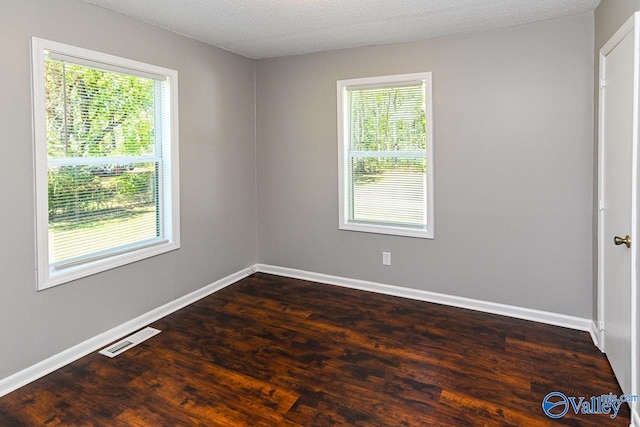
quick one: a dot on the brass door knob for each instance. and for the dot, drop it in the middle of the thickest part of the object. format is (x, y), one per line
(617, 240)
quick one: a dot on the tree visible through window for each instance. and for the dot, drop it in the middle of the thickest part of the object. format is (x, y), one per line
(108, 143)
(385, 145)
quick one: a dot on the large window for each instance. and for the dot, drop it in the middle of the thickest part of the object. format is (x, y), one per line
(386, 155)
(106, 161)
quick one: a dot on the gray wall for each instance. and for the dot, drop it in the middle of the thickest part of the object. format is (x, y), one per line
(217, 173)
(513, 143)
(513, 140)
(609, 16)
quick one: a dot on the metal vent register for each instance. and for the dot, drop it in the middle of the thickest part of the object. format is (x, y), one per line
(129, 342)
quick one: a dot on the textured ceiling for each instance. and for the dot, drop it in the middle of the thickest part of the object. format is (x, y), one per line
(269, 28)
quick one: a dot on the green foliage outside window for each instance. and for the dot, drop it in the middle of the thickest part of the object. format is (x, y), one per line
(387, 119)
(95, 113)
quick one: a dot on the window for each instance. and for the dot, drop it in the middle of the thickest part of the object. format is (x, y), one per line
(386, 155)
(106, 161)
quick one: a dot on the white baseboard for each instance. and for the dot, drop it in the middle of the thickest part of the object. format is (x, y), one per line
(596, 336)
(65, 357)
(556, 319)
(57, 361)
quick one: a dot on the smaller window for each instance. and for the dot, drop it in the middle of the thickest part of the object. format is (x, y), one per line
(106, 161)
(385, 144)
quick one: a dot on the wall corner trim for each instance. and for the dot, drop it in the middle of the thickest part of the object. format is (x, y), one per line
(556, 319)
(596, 335)
(57, 361)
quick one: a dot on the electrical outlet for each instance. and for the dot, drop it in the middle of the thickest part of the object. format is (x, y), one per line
(386, 258)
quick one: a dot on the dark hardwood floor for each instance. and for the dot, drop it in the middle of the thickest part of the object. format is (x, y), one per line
(284, 352)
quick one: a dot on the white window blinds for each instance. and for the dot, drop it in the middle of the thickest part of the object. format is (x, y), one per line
(104, 163)
(385, 145)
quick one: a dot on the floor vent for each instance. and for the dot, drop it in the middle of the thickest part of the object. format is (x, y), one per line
(129, 342)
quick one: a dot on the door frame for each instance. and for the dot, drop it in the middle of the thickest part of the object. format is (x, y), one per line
(631, 26)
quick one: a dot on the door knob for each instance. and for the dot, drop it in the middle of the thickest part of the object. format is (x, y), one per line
(617, 240)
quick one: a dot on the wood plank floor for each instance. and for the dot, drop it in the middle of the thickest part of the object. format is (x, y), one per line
(283, 352)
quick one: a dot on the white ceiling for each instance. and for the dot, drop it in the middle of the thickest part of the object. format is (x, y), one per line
(269, 28)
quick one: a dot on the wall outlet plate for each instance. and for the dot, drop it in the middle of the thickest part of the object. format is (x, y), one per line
(386, 258)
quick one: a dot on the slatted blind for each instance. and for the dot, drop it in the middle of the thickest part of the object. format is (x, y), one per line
(105, 170)
(386, 155)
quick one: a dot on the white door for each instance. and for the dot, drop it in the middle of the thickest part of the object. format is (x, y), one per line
(617, 171)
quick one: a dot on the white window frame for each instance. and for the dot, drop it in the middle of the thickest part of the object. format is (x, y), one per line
(426, 232)
(47, 275)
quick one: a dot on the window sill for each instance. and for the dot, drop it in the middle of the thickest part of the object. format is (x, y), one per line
(388, 229)
(58, 277)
